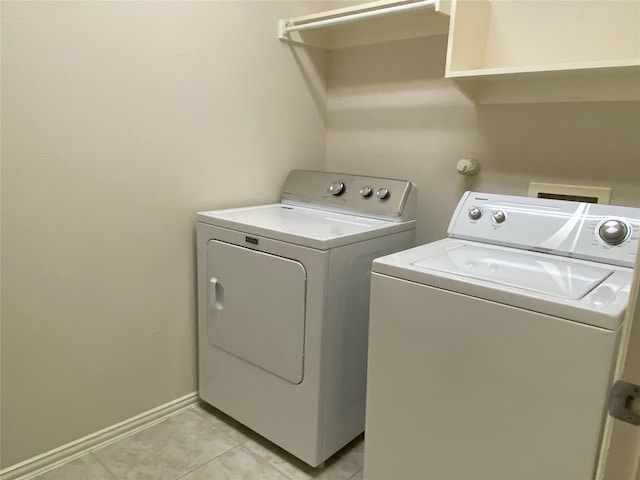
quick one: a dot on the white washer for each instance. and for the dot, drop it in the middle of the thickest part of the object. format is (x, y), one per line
(283, 304)
(491, 352)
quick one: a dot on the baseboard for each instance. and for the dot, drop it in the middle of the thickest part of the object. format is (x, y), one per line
(66, 453)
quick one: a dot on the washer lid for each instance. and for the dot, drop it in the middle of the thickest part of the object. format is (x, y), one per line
(577, 290)
(310, 227)
(549, 275)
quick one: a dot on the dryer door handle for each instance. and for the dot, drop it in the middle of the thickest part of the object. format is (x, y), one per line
(216, 294)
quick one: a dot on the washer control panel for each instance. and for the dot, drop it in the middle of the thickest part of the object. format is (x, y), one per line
(376, 197)
(603, 233)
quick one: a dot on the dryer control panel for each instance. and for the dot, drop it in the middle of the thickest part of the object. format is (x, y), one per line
(376, 197)
(602, 233)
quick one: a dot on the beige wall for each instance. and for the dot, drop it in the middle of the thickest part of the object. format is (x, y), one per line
(120, 120)
(391, 113)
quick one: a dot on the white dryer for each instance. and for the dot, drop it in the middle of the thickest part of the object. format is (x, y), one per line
(491, 352)
(283, 304)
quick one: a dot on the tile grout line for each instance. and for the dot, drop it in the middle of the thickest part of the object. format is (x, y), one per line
(354, 475)
(239, 445)
(264, 460)
(115, 477)
(275, 466)
(206, 463)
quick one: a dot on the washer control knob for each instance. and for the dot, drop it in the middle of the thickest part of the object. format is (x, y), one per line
(366, 192)
(613, 232)
(475, 213)
(383, 193)
(499, 216)
(336, 188)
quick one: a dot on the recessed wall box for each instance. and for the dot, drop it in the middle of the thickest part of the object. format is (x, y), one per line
(576, 193)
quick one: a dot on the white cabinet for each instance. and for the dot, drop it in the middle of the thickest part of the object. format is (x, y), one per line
(554, 50)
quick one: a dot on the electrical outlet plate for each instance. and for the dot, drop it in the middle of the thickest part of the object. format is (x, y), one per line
(570, 192)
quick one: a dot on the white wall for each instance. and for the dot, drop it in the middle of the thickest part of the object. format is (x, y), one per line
(392, 113)
(120, 120)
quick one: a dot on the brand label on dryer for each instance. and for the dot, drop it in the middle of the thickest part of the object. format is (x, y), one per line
(251, 240)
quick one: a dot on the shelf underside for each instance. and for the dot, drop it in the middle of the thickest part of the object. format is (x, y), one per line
(579, 83)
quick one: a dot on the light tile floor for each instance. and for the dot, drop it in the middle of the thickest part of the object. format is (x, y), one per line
(201, 443)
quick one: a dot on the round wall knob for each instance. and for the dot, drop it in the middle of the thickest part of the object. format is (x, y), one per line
(499, 216)
(467, 166)
(336, 188)
(475, 213)
(383, 193)
(366, 191)
(613, 232)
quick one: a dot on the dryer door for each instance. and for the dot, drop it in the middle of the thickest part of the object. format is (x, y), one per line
(256, 308)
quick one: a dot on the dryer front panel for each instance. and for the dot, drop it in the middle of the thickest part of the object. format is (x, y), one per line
(256, 308)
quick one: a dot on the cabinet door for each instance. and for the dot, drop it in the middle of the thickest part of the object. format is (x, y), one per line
(256, 308)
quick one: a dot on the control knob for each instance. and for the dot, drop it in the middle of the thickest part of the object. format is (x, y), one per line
(383, 193)
(499, 216)
(475, 213)
(366, 192)
(336, 188)
(613, 232)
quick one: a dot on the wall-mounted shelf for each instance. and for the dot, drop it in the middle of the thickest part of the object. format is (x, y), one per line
(502, 51)
(511, 51)
(368, 23)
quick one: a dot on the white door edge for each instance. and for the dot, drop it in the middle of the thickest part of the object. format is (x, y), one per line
(620, 450)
